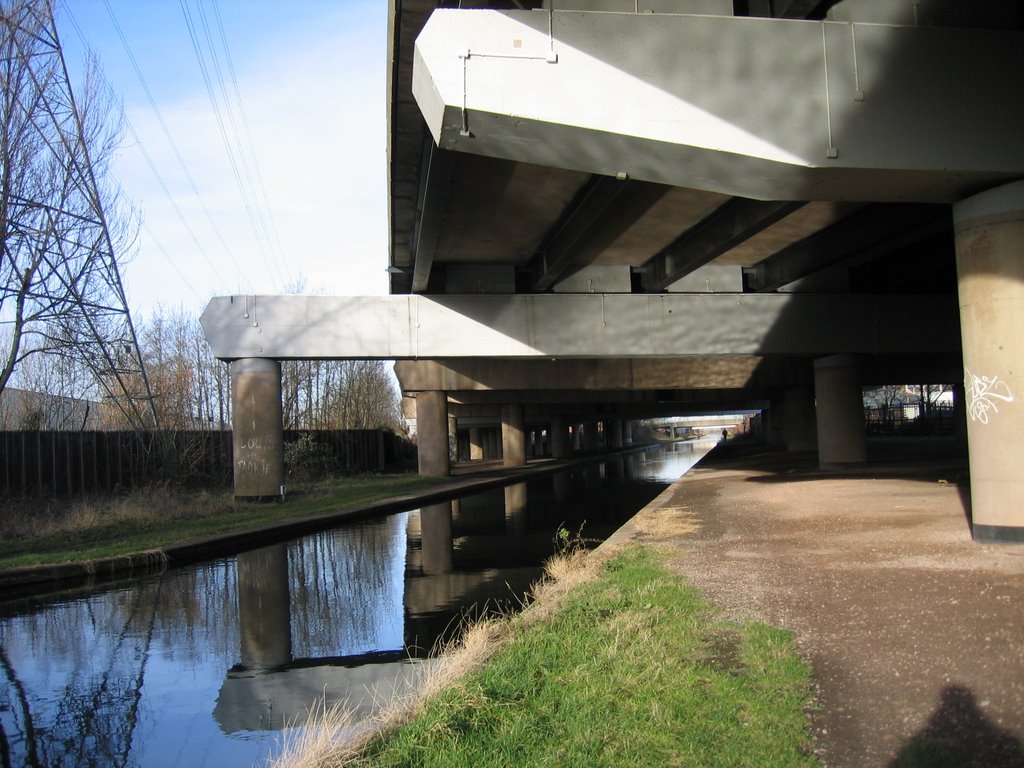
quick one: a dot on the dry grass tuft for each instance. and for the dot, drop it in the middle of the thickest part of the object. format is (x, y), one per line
(666, 522)
(322, 745)
(55, 517)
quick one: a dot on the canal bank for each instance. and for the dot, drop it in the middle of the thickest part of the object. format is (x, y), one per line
(915, 633)
(466, 478)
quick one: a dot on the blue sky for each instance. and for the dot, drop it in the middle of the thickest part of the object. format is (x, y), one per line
(311, 75)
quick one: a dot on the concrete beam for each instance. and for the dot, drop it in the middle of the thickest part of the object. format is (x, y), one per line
(439, 165)
(576, 325)
(868, 231)
(733, 223)
(558, 253)
(760, 108)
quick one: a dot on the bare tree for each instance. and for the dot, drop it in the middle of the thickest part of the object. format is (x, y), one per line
(61, 222)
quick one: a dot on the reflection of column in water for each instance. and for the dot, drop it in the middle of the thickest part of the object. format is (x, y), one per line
(436, 537)
(264, 608)
(563, 486)
(615, 468)
(629, 466)
(515, 508)
(592, 476)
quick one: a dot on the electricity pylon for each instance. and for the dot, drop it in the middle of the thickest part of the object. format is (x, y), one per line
(62, 291)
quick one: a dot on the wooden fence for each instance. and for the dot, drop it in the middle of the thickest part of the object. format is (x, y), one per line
(61, 463)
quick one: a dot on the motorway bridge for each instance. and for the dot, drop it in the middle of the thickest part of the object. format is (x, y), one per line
(616, 209)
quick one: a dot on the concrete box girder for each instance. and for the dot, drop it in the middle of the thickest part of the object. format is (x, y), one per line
(576, 325)
(761, 108)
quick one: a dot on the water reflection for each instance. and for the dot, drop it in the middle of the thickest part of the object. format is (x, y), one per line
(195, 666)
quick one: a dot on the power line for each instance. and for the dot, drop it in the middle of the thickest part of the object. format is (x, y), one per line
(245, 125)
(254, 211)
(170, 140)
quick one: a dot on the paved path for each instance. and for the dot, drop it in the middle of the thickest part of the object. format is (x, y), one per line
(912, 629)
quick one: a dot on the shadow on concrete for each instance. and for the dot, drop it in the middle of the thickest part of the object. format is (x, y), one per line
(930, 459)
(958, 735)
(922, 459)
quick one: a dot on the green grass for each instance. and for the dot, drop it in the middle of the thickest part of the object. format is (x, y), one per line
(636, 670)
(156, 518)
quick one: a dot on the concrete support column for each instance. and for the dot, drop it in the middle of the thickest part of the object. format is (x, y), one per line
(432, 433)
(840, 411)
(577, 436)
(801, 426)
(989, 230)
(615, 433)
(775, 421)
(476, 445)
(590, 436)
(627, 432)
(513, 435)
(257, 431)
(559, 432)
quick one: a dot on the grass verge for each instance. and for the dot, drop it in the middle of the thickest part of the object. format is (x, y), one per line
(628, 667)
(31, 534)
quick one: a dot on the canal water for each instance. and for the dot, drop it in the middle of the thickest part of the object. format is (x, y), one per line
(205, 665)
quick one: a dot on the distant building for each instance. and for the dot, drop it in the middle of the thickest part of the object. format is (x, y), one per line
(23, 409)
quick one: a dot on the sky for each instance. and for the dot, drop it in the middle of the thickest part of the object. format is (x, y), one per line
(311, 77)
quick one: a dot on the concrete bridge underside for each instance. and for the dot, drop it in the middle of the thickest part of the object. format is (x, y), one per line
(606, 211)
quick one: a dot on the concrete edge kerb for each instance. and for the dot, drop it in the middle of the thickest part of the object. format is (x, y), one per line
(21, 582)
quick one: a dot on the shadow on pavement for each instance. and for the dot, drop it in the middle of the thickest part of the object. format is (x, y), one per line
(959, 735)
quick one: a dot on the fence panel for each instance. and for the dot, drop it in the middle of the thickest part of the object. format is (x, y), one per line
(63, 463)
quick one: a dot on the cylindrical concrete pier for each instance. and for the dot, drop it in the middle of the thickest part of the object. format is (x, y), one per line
(559, 437)
(257, 432)
(840, 411)
(801, 429)
(476, 445)
(513, 435)
(775, 421)
(614, 433)
(432, 433)
(989, 231)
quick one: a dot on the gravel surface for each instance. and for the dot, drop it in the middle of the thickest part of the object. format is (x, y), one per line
(914, 632)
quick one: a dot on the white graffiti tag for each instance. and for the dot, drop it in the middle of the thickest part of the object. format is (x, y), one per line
(982, 393)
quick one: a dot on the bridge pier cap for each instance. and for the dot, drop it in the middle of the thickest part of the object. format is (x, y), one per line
(989, 230)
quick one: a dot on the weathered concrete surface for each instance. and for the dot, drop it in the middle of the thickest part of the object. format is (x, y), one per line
(912, 629)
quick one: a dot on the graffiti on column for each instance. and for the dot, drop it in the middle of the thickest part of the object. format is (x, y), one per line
(251, 461)
(982, 394)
